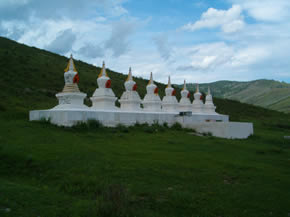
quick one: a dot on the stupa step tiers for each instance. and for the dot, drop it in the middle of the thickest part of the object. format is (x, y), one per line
(71, 109)
(71, 97)
(130, 99)
(103, 97)
(169, 101)
(184, 103)
(152, 101)
(197, 104)
(209, 107)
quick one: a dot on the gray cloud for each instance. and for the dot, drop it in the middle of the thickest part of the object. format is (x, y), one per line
(63, 42)
(119, 40)
(163, 46)
(187, 68)
(91, 51)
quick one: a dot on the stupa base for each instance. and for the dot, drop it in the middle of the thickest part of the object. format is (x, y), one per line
(152, 106)
(216, 124)
(127, 105)
(70, 101)
(169, 107)
(104, 103)
(185, 108)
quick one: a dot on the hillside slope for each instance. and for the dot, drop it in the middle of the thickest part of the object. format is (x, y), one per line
(266, 93)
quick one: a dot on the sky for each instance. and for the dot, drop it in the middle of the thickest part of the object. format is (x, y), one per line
(197, 40)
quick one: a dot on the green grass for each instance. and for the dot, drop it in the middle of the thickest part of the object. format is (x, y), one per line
(95, 171)
(89, 170)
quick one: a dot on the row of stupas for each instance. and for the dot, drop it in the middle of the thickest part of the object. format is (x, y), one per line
(105, 99)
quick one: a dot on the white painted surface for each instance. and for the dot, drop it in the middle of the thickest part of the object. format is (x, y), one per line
(103, 97)
(130, 99)
(229, 130)
(202, 123)
(151, 101)
(70, 101)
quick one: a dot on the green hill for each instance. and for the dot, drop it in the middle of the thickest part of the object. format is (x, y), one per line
(140, 171)
(266, 93)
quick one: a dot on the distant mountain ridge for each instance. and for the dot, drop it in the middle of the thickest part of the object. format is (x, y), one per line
(269, 94)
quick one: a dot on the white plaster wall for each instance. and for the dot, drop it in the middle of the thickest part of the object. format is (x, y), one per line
(202, 123)
(229, 130)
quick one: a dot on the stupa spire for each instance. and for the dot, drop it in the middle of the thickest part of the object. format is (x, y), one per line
(103, 71)
(70, 65)
(169, 82)
(197, 88)
(209, 106)
(184, 85)
(151, 79)
(130, 78)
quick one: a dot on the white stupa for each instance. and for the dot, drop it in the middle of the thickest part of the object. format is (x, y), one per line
(184, 103)
(70, 97)
(103, 97)
(130, 99)
(152, 101)
(169, 101)
(209, 107)
(197, 104)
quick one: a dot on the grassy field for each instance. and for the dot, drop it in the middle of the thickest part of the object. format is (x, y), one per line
(144, 171)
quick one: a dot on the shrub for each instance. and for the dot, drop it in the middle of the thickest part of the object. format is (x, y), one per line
(94, 124)
(165, 125)
(80, 126)
(176, 126)
(45, 121)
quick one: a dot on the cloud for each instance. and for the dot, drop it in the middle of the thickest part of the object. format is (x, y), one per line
(217, 56)
(91, 51)
(23, 9)
(121, 32)
(163, 46)
(266, 10)
(207, 57)
(230, 20)
(42, 33)
(63, 42)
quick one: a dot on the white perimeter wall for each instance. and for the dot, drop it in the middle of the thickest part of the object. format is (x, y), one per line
(202, 123)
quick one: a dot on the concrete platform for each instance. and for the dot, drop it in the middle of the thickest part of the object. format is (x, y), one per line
(216, 124)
